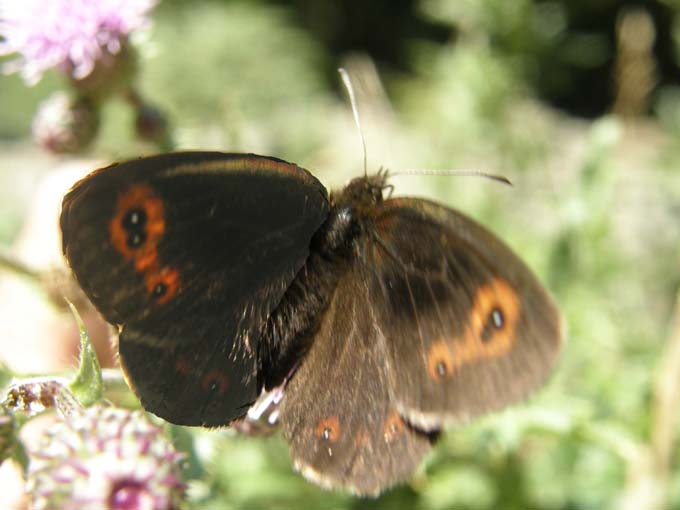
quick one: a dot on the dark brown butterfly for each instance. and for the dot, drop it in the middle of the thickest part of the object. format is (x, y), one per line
(382, 320)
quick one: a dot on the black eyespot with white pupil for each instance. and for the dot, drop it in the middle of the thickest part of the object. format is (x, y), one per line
(160, 289)
(328, 429)
(134, 219)
(133, 222)
(495, 321)
(136, 239)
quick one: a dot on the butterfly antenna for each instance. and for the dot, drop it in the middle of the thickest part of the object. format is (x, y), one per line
(355, 112)
(459, 173)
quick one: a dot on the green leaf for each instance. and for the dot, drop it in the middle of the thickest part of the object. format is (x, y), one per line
(6, 375)
(20, 455)
(87, 385)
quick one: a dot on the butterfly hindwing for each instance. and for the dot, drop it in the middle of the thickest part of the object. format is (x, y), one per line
(466, 327)
(189, 253)
(337, 416)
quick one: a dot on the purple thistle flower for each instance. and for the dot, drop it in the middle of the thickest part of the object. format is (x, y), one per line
(105, 458)
(68, 34)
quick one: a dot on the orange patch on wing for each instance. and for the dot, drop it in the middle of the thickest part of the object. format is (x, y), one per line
(146, 258)
(440, 360)
(166, 279)
(445, 356)
(497, 297)
(328, 429)
(215, 379)
(394, 427)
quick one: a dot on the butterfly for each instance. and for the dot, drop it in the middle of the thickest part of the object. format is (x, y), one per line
(378, 320)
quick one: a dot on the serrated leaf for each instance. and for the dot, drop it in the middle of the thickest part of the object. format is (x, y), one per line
(87, 385)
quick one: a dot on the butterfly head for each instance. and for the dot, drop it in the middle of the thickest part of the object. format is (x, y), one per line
(362, 193)
(348, 209)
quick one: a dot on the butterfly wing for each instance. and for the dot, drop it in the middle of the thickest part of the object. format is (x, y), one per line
(189, 253)
(465, 326)
(342, 428)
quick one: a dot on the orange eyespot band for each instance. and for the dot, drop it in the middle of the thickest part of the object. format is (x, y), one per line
(136, 229)
(490, 332)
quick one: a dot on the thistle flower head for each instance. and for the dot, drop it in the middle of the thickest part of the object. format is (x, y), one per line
(69, 34)
(105, 458)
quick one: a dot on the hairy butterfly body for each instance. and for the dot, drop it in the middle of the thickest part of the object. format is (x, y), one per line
(383, 319)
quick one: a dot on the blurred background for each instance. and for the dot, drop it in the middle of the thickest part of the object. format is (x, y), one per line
(577, 102)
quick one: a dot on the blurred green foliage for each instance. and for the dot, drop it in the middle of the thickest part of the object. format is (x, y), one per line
(594, 211)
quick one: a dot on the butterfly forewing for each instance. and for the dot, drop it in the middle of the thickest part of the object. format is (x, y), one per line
(465, 326)
(189, 253)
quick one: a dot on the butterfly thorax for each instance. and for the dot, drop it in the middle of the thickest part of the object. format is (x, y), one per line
(350, 208)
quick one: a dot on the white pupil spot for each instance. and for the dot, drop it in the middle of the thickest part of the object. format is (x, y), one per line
(497, 318)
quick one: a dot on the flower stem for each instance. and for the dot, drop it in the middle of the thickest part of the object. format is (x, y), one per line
(667, 400)
(11, 263)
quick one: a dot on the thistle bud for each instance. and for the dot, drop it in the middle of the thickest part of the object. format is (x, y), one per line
(65, 125)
